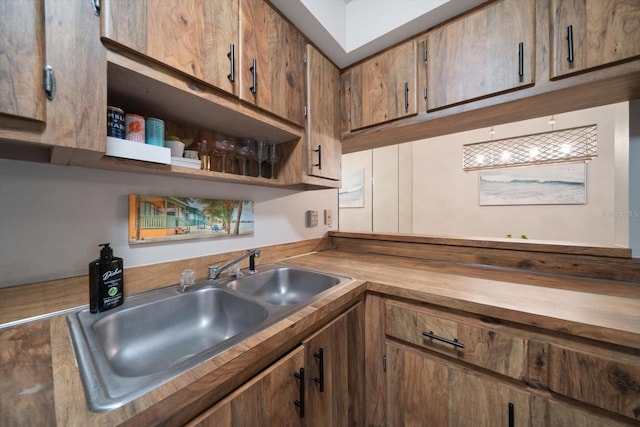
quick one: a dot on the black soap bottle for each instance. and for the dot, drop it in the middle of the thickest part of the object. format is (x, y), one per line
(105, 281)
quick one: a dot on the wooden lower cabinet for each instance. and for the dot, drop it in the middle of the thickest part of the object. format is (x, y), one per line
(334, 365)
(564, 415)
(483, 401)
(490, 373)
(273, 398)
(268, 399)
(422, 391)
(417, 392)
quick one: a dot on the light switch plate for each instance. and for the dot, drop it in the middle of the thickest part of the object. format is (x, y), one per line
(312, 218)
(328, 217)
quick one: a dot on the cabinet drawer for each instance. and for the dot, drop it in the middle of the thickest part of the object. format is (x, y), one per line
(609, 380)
(471, 340)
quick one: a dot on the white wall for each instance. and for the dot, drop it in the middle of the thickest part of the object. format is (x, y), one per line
(634, 177)
(444, 198)
(53, 217)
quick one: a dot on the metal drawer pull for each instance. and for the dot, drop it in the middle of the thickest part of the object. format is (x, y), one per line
(570, 42)
(406, 95)
(300, 402)
(453, 342)
(232, 63)
(521, 60)
(511, 415)
(254, 77)
(319, 164)
(320, 379)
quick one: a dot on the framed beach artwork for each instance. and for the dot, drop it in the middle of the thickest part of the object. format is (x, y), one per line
(553, 184)
(351, 194)
(166, 218)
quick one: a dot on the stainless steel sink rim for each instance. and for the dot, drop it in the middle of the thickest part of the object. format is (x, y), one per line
(106, 390)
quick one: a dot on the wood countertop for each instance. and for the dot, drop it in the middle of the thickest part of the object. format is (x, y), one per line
(40, 383)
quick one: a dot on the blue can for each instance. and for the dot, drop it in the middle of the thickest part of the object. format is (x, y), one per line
(116, 123)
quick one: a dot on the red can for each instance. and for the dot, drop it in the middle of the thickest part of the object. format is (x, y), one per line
(135, 127)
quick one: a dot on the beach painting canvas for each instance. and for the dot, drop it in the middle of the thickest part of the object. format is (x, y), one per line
(554, 184)
(166, 218)
(351, 194)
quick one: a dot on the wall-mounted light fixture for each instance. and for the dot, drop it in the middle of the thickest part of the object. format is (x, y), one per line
(566, 145)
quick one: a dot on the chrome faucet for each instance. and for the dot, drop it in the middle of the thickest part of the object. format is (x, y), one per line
(252, 254)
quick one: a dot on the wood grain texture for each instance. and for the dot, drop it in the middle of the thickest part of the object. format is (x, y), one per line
(588, 317)
(407, 323)
(538, 363)
(375, 377)
(417, 389)
(269, 397)
(191, 37)
(610, 381)
(20, 302)
(323, 115)
(602, 310)
(487, 344)
(600, 86)
(278, 48)
(26, 378)
(481, 401)
(342, 398)
(477, 55)
(378, 86)
(604, 262)
(564, 415)
(604, 33)
(22, 60)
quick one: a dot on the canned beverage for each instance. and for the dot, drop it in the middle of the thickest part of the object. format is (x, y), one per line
(135, 127)
(115, 122)
(154, 131)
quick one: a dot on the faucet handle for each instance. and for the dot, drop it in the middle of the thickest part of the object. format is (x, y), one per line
(214, 271)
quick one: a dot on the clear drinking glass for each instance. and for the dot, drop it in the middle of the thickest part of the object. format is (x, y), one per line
(261, 154)
(272, 158)
(245, 150)
(223, 146)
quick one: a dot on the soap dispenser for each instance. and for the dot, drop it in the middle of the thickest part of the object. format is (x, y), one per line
(105, 281)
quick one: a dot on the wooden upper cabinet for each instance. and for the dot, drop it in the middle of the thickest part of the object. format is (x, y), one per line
(22, 61)
(383, 88)
(323, 116)
(198, 38)
(593, 33)
(272, 70)
(486, 52)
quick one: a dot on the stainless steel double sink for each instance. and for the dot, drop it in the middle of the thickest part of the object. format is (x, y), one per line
(155, 336)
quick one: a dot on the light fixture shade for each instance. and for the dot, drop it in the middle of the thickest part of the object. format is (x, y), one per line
(566, 145)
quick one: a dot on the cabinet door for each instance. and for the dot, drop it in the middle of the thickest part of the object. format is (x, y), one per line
(334, 364)
(323, 120)
(266, 400)
(603, 378)
(564, 415)
(383, 88)
(593, 33)
(482, 401)
(193, 37)
(22, 61)
(272, 70)
(72, 127)
(484, 53)
(417, 393)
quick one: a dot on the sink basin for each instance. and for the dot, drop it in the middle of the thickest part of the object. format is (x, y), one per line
(155, 336)
(284, 285)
